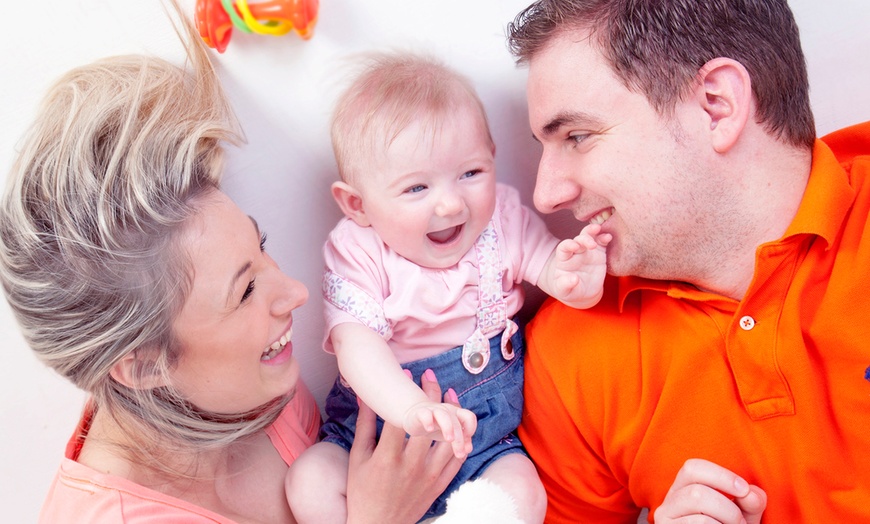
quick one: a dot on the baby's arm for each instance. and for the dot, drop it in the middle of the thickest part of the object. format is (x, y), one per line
(369, 366)
(575, 271)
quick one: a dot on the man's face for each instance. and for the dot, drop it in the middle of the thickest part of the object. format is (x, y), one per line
(609, 157)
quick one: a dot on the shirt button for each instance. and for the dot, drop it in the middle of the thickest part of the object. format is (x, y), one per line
(747, 323)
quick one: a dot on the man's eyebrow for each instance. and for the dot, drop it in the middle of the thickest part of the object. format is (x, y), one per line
(244, 269)
(569, 118)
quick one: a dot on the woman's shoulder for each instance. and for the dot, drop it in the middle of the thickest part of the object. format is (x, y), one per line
(296, 428)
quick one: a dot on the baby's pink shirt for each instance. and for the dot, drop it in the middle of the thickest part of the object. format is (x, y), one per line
(82, 494)
(429, 311)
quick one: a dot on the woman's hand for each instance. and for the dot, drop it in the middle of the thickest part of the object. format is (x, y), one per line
(704, 492)
(397, 479)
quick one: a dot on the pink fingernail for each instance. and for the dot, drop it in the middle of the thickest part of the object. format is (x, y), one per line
(408, 372)
(430, 375)
(451, 395)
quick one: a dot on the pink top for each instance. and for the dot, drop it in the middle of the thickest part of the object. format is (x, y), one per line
(81, 494)
(423, 311)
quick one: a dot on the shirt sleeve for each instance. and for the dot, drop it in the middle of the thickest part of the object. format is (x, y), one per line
(354, 280)
(525, 236)
(297, 426)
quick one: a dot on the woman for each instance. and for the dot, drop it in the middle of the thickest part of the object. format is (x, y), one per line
(135, 277)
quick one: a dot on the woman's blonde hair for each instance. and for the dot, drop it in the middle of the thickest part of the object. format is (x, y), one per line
(120, 154)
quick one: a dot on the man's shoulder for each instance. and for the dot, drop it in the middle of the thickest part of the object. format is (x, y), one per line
(598, 333)
(849, 143)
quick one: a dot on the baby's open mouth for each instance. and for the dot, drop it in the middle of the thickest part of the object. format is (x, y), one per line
(445, 235)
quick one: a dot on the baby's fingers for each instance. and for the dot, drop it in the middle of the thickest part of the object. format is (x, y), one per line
(451, 430)
(567, 249)
(468, 424)
(427, 420)
(586, 243)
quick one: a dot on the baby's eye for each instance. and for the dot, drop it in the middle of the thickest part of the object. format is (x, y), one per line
(469, 174)
(415, 189)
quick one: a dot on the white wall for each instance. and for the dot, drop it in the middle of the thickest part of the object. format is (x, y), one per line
(282, 89)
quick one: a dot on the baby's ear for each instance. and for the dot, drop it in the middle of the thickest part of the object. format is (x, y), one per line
(350, 202)
(138, 370)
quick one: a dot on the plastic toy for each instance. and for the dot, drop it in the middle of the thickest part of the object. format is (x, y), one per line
(215, 19)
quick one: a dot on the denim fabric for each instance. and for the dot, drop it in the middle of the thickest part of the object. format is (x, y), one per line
(495, 395)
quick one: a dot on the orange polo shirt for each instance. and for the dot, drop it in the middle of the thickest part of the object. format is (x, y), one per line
(775, 387)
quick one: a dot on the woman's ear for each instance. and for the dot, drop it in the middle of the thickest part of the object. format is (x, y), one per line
(350, 202)
(725, 94)
(138, 370)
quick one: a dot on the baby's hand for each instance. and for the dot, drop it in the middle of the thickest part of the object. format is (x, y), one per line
(580, 265)
(442, 421)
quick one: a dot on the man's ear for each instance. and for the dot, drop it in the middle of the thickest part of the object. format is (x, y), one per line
(138, 370)
(725, 94)
(350, 202)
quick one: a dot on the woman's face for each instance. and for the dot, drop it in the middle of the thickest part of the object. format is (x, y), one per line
(235, 326)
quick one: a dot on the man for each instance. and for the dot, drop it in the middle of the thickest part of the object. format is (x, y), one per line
(730, 349)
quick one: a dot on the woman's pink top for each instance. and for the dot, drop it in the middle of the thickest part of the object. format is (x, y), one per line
(81, 494)
(426, 311)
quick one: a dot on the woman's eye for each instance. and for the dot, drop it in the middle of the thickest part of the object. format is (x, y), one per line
(263, 242)
(248, 291)
(415, 189)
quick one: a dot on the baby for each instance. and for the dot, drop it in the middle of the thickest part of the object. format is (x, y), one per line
(423, 276)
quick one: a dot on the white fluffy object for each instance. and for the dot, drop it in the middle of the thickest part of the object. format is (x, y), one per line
(480, 502)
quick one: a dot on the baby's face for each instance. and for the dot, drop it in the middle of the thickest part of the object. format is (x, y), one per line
(433, 192)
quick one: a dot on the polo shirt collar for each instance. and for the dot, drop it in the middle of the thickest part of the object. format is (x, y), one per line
(827, 198)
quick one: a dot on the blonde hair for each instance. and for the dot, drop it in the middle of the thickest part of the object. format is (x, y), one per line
(391, 91)
(121, 152)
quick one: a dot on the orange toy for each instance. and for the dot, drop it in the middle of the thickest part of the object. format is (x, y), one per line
(215, 19)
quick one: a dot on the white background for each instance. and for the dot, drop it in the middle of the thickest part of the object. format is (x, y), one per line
(282, 89)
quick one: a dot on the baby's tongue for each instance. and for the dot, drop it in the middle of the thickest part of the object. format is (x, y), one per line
(443, 236)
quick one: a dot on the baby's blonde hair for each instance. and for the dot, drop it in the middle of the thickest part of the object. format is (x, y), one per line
(391, 91)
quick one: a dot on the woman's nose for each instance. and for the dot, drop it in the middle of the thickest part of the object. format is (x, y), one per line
(289, 294)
